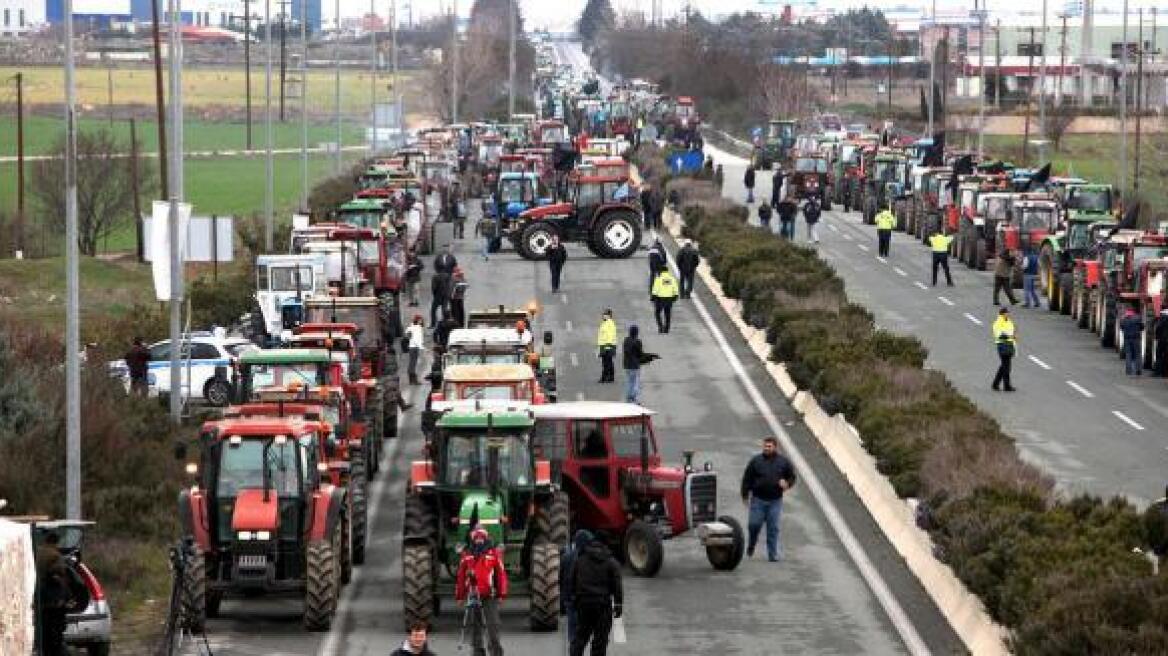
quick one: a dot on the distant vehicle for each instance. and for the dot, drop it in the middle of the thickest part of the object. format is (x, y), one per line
(90, 627)
(206, 361)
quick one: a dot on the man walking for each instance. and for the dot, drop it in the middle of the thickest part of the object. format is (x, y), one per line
(939, 244)
(787, 211)
(1004, 276)
(768, 475)
(598, 597)
(1161, 364)
(1030, 279)
(688, 260)
(415, 342)
(1132, 328)
(1005, 339)
(445, 261)
(658, 202)
(441, 285)
(633, 356)
(413, 277)
(811, 212)
(460, 213)
(557, 255)
(606, 346)
(568, 557)
(885, 222)
(458, 298)
(748, 181)
(664, 293)
(647, 205)
(480, 586)
(777, 188)
(658, 261)
(138, 363)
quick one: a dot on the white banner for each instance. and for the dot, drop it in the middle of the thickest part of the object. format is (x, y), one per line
(160, 243)
(18, 581)
(207, 239)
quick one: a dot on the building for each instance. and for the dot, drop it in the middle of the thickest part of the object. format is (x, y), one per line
(21, 16)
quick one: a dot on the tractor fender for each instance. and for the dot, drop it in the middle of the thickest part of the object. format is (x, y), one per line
(327, 504)
(192, 513)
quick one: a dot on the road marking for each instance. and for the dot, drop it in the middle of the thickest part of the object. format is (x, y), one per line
(1127, 420)
(862, 247)
(920, 284)
(881, 260)
(1039, 362)
(574, 359)
(568, 325)
(847, 236)
(973, 318)
(1080, 389)
(832, 227)
(900, 272)
(871, 575)
(946, 301)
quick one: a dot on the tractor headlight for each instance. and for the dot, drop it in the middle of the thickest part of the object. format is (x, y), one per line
(245, 535)
(263, 535)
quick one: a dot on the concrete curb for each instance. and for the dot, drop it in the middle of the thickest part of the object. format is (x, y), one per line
(845, 447)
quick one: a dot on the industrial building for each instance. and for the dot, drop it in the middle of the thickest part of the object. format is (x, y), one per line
(23, 16)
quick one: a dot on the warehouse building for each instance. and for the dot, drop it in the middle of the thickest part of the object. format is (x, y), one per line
(22, 16)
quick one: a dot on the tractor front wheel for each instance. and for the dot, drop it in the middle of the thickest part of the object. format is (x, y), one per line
(535, 240)
(418, 583)
(359, 492)
(217, 392)
(617, 234)
(322, 585)
(980, 254)
(420, 522)
(545, 586)
(551, 520)
(347, 553)
(194, 592)
(1066, 283)
(643, 550)
(726, 557)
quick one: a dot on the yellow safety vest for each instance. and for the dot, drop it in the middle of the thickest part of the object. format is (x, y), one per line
(1003, 330)
(664, 285)
(606, 335)
(940, 243)
(885, 220)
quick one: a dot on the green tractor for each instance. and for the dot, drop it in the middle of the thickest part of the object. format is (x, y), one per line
(1087, 207)
(481, 471)
(774, 145)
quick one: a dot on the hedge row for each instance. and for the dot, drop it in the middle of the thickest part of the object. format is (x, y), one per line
(1060, 573)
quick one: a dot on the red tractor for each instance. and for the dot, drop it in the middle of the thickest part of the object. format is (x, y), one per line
(1127, 271)
(605, 457)
(263, 518)
(601, 212)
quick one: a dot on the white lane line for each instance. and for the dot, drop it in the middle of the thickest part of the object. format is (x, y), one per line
(1127, 420)
(1080, 389)
(564, 299)
(946, 301)
(881, 260)
(574, 359)
(1039, 362)
(871, 575)
(973, 318)
(832, 227)
(920, 284)
(568, 325)
(862, 247)
(900, 272)
(847, 236)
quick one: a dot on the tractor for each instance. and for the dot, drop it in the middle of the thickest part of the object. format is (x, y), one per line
(620, 119)
(772, 147)
(809, 178)
(1116, 277)
(282, 284)
(263, 519)
(605, 456)
(876, 194)
(514, 194)
(846, 170)
(1033, 217)
(470, 385)
(930, 203)
(491, 345)
(601, 212)
(480, 471)
(979, 228)
(1084, 206)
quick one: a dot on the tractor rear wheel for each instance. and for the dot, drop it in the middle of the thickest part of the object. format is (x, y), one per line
(420, 522)
(1083, 305)
(346, 548)
(214, 599)
(418, 583)
(374, 431)
(535, 240)
(321, 585)
(642, 549)
(551, 520)
(359, 492)
(1107, 326)
(979, 254)
(617, 234)
(1148, 342)
(194, 592)
(1066, 282)
(545, 586)
(726, 557)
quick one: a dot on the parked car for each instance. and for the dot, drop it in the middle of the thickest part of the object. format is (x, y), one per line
(89, 628)
(206, 367)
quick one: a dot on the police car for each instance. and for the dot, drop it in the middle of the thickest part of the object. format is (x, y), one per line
(205, 361)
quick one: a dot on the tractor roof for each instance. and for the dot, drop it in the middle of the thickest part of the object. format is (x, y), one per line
(273, 405)
(342, 301)
(460, 418)
(285, 356)
(590, 410)
(602, 179)
(259, 426)
(316, 340)
(362, 205)
(518, 175)
(472, 337)
(503, 373)
(326, 327)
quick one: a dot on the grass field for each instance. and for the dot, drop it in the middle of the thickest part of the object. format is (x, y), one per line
(36, 288)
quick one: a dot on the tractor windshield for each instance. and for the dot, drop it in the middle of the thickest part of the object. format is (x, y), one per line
(367, 219)
(1089, 200)
(1141, 253)
(488, 391)
(811, 165)
(467, 459)
(465, 357)
(365, 317)
(885, 171)
(242, 464)
(1037, 218)
(308, 374)
(994, 208)
(1079, 236)
(284, 279)
(516, 191)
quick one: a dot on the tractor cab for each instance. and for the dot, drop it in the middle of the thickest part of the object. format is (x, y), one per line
(281, 369)
(515, 193)
(282, 284)
(810, 176)
(503, 346)
(1034, 216)
(605, 456)
(381, 263)
(367, 213)
(600, 211)
(513, 164)
(1089, 202)
(512, 382)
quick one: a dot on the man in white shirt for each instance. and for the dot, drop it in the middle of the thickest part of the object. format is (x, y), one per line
(416, 340)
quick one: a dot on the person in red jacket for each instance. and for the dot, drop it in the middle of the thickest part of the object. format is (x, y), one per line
(481, 586)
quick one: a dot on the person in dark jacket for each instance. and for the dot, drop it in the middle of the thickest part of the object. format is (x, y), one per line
(688, 260)
(458, 298)
(598, 597)
(1132, 328)
(416, 643)
(53, 595)
(787, 210)
(413, 277)
(1161, 365)
(776, 188)
(748, 182)
(138, 363)
(445, 261)
(658, 202)
(633, 356)
(647, 205)
(811, 212)
(719, 176)
(768, 475)
(557, 255)
(568, 556)
(764, 216)
(441, 285)
(658, 261)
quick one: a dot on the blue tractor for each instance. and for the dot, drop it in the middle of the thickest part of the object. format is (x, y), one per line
(514, 193)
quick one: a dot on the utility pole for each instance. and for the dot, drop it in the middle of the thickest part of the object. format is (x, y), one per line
(139, 238)
(397, 99)
(304, 105)
(373, 71)
(1029, 96)
(176, 198)
(1058, 98)
(247, 66)
(932, 69)
(511, 58)
(109, 91)
(1123, 53)
(18, 238)
(283, 52)
(998, 66)
(72, 289)
(891, 62)
(159, 104)
(1042, 90)
(269, 169)
(1139, 103)
(981, 90)
(454, 62)
(1085, 54)
(944, 118)
(337, 87)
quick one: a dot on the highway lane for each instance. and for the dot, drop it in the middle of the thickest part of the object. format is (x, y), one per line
(1076, 414)
(815, 601)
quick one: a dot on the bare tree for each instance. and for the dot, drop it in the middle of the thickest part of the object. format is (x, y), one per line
(105, 198)
(780, 92)
(1058, 121)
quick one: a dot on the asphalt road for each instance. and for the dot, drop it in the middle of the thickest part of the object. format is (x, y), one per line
(1076, 415)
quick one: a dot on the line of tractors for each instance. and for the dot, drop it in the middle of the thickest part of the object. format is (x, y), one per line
(1093, 263)
(278, 501)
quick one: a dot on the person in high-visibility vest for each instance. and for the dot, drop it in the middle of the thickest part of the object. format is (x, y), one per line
(939, 243)
(664, 294)
(885, 222)
(606, 346)
(1005, 337)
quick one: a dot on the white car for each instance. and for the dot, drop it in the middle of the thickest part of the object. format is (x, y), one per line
(206, 367)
